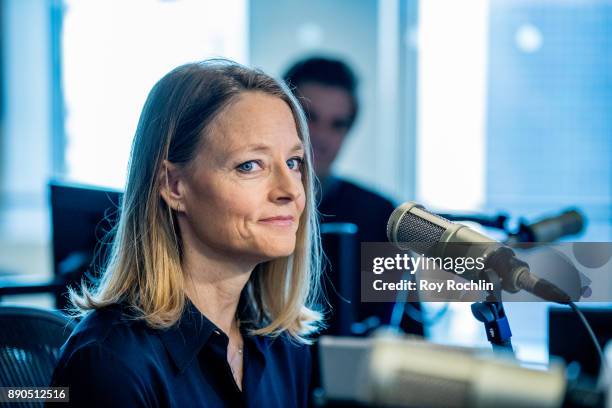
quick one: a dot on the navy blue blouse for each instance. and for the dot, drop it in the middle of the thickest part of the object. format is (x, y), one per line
(111, 360)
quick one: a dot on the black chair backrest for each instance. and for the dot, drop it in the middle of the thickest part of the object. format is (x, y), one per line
(340, 286)
(30, 342)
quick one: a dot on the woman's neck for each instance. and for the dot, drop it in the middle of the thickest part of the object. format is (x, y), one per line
(214, 286)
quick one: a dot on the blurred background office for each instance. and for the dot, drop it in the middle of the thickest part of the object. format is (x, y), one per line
(473, 106)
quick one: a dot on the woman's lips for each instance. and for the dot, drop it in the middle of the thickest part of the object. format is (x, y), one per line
(281, 221)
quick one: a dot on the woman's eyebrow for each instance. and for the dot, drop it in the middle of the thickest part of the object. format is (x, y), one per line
(298, 147)
(257, 147)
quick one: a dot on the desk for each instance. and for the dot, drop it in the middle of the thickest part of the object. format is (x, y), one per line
(22, 284)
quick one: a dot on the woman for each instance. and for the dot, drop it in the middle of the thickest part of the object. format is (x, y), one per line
(207, 298)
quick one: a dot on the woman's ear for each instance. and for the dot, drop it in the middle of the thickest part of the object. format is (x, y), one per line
(171, 186)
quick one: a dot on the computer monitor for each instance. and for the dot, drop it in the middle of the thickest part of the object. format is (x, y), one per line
(569, 339)
(82, 216)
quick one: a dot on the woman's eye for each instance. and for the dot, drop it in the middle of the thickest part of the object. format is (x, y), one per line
(295, 163)
(248, 166)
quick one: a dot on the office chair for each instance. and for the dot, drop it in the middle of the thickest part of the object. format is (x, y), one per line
(30, 341)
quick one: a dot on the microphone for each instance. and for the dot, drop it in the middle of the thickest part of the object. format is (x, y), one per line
(412, 227)
(414, 373)
(550, 229)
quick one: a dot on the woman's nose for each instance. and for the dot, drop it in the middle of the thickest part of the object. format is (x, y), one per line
(286, 185)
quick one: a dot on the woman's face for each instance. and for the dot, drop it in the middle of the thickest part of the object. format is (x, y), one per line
(242, 196)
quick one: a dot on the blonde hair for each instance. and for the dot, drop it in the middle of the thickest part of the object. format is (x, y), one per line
(144, 266)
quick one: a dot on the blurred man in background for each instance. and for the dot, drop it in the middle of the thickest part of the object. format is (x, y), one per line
(327, 89)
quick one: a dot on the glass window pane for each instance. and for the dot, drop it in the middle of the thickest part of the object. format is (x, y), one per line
(114, 52)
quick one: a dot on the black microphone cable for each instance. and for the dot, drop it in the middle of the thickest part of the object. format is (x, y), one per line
(604, 363)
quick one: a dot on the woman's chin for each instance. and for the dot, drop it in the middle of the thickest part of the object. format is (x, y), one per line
(276, 252)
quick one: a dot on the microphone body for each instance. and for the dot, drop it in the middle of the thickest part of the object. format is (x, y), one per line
(412, 227)
(550, 229)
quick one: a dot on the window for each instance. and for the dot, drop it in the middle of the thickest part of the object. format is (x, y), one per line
(114, 52)
(514, 102)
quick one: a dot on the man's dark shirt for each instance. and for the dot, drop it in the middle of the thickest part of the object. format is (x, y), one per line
(344, 201)
(112, 360)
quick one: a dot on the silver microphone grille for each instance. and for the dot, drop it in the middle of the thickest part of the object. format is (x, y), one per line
(416, 232)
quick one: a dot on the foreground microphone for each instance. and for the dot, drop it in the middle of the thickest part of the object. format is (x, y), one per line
(413, 373)
(412, 227)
